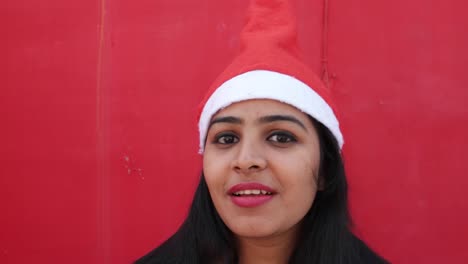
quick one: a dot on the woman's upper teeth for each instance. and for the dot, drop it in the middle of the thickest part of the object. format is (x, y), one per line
(252, 192)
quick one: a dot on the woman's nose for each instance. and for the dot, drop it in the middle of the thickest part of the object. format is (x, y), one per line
(250, 158)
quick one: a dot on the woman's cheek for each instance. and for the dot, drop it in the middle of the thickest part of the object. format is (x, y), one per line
(214, 173)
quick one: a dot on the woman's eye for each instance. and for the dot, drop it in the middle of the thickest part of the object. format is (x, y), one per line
(282, 138)
(226, 139)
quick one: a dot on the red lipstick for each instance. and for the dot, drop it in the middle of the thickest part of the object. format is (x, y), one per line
(250, 194)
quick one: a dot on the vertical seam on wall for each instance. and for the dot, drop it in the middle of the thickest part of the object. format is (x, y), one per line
(103, 180)
(324, 62)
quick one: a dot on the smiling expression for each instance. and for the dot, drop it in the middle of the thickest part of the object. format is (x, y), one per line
(261, 164)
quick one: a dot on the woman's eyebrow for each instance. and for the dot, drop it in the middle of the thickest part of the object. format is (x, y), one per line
(225, 119)
(273, 118)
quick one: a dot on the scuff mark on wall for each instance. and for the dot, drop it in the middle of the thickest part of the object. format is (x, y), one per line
(131, 168)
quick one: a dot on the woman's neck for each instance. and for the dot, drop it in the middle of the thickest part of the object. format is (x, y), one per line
(271, 250)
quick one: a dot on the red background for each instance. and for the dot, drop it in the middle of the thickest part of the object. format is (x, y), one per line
(98, 134)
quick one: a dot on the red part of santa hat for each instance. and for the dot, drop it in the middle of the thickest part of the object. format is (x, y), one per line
(270, 66)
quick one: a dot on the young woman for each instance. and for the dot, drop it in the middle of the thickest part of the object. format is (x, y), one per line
(273, 187)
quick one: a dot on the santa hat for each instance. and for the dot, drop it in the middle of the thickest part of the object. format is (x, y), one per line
(270, 66)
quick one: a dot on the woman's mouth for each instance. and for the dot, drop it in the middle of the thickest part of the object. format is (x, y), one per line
(250, 194)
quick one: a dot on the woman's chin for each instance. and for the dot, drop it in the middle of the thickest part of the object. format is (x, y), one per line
(263, 229)
(255, 231)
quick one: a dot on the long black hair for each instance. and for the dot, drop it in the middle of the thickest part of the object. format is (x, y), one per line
(325, 238)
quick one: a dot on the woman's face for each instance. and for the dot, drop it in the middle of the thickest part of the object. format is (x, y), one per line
(261, 164)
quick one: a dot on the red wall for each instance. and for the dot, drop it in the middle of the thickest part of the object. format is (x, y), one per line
(98, 156)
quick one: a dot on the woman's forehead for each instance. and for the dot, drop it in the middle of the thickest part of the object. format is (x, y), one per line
(259, 107)
(262, 112)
